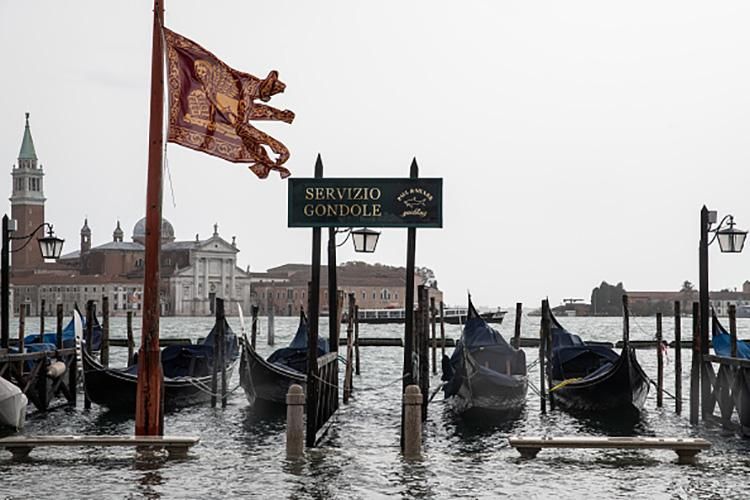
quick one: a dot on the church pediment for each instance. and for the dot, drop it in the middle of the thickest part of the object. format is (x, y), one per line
(216, 244)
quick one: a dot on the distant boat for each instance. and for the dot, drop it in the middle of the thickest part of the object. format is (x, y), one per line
(451, 316)
(12, 405)
(592, 377)
(266, 381)
(743, 311)
(484, 373)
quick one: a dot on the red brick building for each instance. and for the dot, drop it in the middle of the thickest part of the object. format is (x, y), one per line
(285, 288)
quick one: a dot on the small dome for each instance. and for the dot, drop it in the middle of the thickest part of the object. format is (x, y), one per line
(85, 230)
(167, 231)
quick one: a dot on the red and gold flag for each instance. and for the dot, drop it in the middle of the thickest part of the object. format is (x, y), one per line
(210, 105)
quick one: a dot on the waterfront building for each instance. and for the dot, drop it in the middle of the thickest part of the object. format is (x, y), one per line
(649, 301)
(375, 286)
(193, 273)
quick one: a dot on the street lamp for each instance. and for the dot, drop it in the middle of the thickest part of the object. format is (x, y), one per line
(365, 240)
(50, 247)
(731, 240)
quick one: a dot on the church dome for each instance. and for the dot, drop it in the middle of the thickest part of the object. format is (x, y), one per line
(167, 231)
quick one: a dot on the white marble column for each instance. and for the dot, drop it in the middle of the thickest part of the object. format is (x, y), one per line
(223, 293)
(196, 263)
(232, 281)
(205, 277)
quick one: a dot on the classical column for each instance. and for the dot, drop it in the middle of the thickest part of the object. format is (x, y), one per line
(224, 279)
(232, 281)
(196, 263)
(205, 277)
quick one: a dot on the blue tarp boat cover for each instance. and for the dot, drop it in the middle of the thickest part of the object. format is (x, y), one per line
(722, 342)
(294, 356)
(574, 358)
(194, 360)
(491, 355)
(69, 335)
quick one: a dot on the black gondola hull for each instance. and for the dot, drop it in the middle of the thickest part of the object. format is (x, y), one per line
(116, 389)
(490, 395)
(266, 383)
(624, 387)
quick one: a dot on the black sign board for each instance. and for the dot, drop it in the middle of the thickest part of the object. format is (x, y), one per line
(339, 202)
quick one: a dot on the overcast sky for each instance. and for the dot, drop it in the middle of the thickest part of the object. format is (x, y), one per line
(577, 140)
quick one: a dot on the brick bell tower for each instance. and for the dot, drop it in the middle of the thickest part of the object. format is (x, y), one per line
(27, 204)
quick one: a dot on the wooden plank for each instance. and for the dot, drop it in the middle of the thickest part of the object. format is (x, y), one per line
(70, 440)
(176, 446)
(32, 356)
(723, 360)
(619, 442)
(123, 342)
(686, 448)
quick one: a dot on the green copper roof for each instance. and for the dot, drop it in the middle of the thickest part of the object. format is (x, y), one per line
(27, 146)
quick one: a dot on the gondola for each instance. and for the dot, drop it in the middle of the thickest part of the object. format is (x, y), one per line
(484, 373)
(266, 381)
(187, 373)
(591, 377)
(722, 344)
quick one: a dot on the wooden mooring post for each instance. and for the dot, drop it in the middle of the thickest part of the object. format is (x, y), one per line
(131, 342)
(517, 329)
(104, 352)
(733, 330)
(695, 366)
(442, 329)
(218, 362)
(433, 321)
(21, 334)
(356, 338)
(542, 354)
(271, 313)
(659, 363)
(677, 358)
(349, 349)
(253, 325)
(42, 304)
(59, 329)
(40, 383)
(424, 346)
(88, 335)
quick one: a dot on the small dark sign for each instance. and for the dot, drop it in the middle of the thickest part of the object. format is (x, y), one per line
(339, 202)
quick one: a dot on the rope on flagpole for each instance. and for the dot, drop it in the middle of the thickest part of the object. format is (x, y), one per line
(165, 106)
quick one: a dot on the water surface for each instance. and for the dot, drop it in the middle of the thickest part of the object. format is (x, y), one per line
(241, 454)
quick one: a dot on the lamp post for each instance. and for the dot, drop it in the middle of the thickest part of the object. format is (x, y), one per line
(365, 240)
(731, 240)
(51, 248)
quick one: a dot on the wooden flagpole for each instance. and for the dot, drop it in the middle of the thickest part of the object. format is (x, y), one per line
(149, 414)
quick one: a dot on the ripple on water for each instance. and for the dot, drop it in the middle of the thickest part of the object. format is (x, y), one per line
(241, 454)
